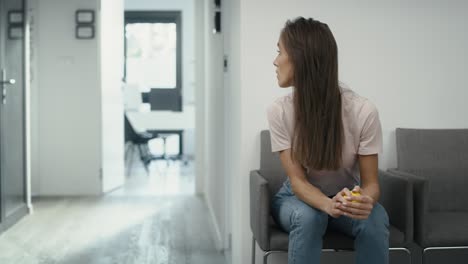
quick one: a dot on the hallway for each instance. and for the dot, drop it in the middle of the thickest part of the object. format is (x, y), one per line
(152, 219)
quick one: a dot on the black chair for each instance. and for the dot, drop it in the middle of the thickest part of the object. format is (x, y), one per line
(266, 181)
(140, 141)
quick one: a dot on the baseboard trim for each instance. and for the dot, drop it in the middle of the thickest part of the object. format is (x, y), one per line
(214, 226)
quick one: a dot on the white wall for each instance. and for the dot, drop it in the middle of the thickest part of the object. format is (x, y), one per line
(408, 58)
(232, 48)
(149, 119)
(199, 83)
(76, 99)
(67, 130)
(111, 49)
(214, 126)
(34, 95)
(28, 102)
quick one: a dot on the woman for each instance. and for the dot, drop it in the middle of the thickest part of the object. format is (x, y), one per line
(328, 138)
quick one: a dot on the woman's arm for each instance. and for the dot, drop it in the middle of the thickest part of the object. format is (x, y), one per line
(368, 166)
(370, 191)
(305, 191)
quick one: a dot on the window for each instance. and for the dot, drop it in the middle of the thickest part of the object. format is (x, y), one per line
(153, 57)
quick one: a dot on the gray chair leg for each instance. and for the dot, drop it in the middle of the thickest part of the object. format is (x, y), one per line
(268, 253)
(265, 254)
(131, 149)
(253, 250)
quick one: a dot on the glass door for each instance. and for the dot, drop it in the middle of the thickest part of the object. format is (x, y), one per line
(12, 116)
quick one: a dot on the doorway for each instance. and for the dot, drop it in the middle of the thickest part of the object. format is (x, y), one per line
(158, 97)
(12, 113)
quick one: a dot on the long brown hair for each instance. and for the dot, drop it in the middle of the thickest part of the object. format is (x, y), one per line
(318, 134)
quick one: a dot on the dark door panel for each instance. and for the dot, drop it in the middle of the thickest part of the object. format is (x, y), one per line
(12, 116)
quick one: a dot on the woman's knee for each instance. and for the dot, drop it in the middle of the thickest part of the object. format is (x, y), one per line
(309, 219)
(376, 224)
(379, 215)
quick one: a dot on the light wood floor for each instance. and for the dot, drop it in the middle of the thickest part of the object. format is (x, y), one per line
(152, 219)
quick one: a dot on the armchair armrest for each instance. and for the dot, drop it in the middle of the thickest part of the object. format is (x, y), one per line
(396, 197)
(260, 209)
(420, 200)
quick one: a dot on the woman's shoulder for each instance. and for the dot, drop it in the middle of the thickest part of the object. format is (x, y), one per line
(361, 106)
(285, 99)
(281, 103)
(280, 108)
(348, 94)
(353, 98)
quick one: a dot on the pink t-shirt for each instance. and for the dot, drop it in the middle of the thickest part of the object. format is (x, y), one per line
(362, 135)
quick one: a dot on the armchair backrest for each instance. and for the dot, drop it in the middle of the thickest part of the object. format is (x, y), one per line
(441, 157)
(270, 163)
(431, 148)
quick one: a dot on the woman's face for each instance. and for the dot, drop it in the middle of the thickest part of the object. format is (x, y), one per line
(284, 69)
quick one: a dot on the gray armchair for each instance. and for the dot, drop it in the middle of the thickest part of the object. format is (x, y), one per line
(396, 197)
(436, 161)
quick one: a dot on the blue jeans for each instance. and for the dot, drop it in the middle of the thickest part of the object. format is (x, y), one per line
(307, 225)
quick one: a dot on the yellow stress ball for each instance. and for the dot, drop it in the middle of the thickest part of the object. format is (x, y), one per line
(353, 193)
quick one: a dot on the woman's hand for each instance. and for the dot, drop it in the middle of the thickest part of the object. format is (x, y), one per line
(333, 208)
(357, 206)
